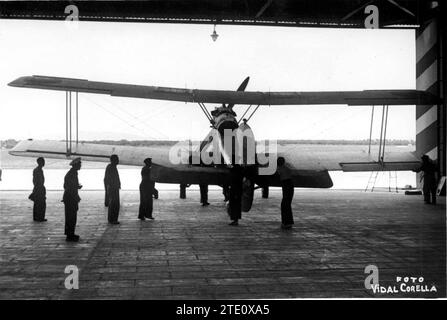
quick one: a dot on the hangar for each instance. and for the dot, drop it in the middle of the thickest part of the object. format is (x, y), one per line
(424, 16)
(399, 250)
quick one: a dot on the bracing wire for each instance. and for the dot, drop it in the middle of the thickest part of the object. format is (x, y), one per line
(138, 120)
(121, 119)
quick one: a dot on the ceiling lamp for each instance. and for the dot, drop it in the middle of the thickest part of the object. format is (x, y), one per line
(214, 35)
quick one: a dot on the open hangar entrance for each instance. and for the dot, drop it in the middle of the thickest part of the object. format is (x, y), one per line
(425, 16)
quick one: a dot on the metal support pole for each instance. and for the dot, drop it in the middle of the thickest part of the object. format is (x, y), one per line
(66, 122)
(77, 117)
(371, 129)
(69, 95)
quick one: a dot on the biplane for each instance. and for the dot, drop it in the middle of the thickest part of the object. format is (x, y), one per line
(310, 168)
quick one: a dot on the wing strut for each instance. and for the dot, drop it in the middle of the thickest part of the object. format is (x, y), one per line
(242, 117)
(382, 139)
(206, 112)
(69, 121)
(254, 111)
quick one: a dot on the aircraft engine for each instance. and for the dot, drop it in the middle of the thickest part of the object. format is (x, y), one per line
(224, 119)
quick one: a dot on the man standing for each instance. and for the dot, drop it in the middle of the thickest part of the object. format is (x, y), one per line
(39, 192)
(146, 191)
(430, 181)
(235, 194)
(204, 194)
(285, 176)
(113, 185)
(71, 199)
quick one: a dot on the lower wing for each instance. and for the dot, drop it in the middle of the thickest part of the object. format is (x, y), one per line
(309, 164)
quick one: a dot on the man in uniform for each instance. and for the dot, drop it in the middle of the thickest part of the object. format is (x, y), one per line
(39, 192)
(430, 181)
(113, 185)
(235, 194)
(71, 199)
(285, 176)
(146, 191)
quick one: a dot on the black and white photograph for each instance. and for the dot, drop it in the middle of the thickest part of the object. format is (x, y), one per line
(226, 150)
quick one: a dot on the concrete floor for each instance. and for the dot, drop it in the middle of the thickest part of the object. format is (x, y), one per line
(190, 252)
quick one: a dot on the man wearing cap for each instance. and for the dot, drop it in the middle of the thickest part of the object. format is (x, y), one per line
(146, 191)
(39, 192)
(430, 181)
(113, 185)
(71, 199)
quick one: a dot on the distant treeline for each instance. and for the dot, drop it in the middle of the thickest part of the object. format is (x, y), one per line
(10, 143)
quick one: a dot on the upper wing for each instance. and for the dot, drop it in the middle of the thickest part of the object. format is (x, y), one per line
(367, 97)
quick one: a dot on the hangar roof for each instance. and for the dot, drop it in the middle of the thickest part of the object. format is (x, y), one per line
(292, 13)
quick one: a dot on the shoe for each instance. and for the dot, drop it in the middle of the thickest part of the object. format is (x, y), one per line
(234, 223)
(286, 226)
(142, 219)
(205, 204)
(73, 238)
(43, 220)
(152, 218)
(114, 222)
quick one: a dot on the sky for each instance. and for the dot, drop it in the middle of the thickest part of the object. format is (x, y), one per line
(184, 56)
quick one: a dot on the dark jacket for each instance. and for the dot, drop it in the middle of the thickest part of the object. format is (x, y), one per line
(429, 168)
(39, 191)
(111, 177)
(146, 182)
(71, 187)
(38, 177)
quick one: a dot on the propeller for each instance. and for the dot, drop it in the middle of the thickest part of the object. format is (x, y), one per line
(242, 87)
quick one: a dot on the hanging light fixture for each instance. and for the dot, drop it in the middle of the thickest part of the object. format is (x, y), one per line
(214, 35)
